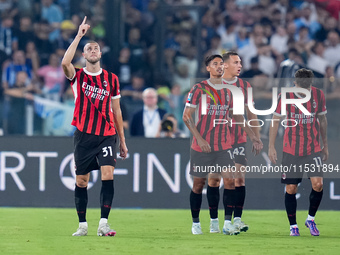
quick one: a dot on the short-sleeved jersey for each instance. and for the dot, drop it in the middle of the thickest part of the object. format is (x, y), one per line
(237, 134)
(304, 138)
(213, 126)
(93, 92)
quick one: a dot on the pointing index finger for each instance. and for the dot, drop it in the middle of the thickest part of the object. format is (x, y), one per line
(84, 20)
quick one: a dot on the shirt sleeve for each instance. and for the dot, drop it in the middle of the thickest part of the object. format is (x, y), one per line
(245, 93)
(115, 93)
(322, 105)
(278, 108)
(193, 97)
(74, 76)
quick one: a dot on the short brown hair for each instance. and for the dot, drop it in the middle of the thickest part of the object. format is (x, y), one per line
(227, 55)
(304, 78)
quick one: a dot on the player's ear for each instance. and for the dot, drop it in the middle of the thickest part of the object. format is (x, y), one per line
(208, 69)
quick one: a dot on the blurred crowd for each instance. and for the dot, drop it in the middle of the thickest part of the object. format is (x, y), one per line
(273, 38)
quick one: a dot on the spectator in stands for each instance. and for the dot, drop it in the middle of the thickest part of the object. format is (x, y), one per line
(122, 67)
(134, 91)
(25, 33)
(68, 30)
(53, 79)
(8, 41)
(136, 47)
(17, 65)
(279, 40)
(182, 77)
(15, 103)
(168, 127)
(316, 60)
(146, 121)
(32, 57)
(333, 48)
(52, 13)
(44, 46)
(9, 7)
(308, 18)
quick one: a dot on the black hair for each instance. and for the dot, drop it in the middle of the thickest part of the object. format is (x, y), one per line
(227, 55)
(304, 78)
(210, 58)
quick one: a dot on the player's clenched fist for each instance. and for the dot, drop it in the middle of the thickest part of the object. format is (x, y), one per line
(83, 28)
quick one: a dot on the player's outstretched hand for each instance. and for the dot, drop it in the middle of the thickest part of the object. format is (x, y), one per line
(83, 28)
(257, 145)
(123, 150)
(272, 155)
(325, 153)
(204, 145)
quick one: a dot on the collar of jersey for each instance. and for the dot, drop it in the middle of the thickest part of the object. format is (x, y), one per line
(297, 94)
(230, 82)
(93, 74)
(220, 86)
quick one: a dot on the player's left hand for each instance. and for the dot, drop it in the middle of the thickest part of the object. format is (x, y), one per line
(123, 150)
(257, 145)
(325, 153)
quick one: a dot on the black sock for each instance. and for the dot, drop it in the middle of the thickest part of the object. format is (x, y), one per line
(80, 199)
(291, 204)
(240, 195)
(314, 201)
(213, 195)
(195, 205)
(229, 204)
(106, 197)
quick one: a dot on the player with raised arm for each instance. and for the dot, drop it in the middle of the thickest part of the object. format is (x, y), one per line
(234, 188)
(98, 119)
(210, 145)
(301, 148)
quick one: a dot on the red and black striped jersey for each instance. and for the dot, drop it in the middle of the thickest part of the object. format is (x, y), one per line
(213, 125)
(237, 134)
(93, 93)
(302, 134)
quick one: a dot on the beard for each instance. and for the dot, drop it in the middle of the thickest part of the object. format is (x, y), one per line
(93, 61)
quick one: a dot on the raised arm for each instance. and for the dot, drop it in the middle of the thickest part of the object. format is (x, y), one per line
(272, 137)
(117, 115)
(189, 122)
(323, 130)
(69, 54)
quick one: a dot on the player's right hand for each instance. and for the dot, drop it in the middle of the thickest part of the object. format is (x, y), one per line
(257, 145)
(83, 28)
(272, 155)
(204, 145)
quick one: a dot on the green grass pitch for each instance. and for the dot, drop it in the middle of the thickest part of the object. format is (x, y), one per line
(35, 231)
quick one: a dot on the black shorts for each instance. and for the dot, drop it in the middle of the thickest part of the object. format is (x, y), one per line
(239, 153)
(201, 163)
(296, 166)
(93, 151)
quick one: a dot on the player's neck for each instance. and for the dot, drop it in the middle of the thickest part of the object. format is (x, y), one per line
(229, 77)
(215, 80)
(93, 68)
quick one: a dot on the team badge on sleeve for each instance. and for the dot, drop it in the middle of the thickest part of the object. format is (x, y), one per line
(189, 98)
